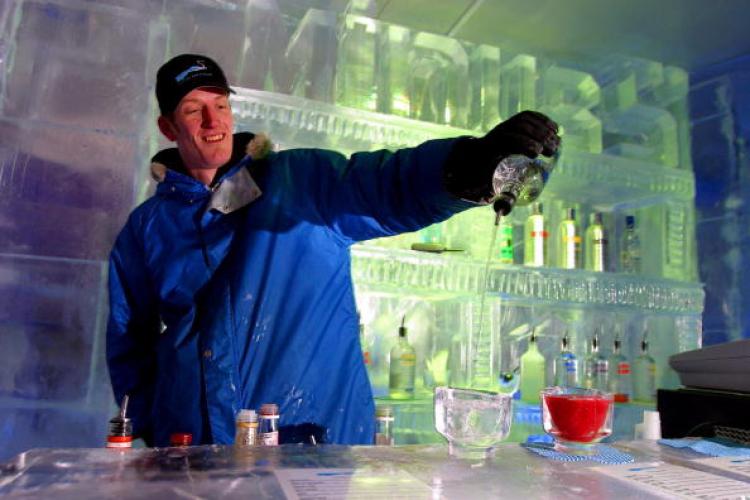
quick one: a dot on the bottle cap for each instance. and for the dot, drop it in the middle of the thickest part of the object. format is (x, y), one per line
(564, 341)
(570, 213)
(537, 208)
(269, 409)
(402, 328)
(180, 439)
(245, 415)
(597, 218)
(630, 220)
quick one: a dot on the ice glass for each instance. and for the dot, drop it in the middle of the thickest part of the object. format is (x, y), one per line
(472, 421)
(577, 418)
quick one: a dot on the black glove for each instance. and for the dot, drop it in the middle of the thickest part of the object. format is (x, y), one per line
(470, 165)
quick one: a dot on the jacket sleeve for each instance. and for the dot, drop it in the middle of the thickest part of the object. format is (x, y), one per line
(383, 193)
(132, 330)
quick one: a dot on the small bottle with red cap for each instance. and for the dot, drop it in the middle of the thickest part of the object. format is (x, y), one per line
(121, 429)
(180, 439)
(268, 426)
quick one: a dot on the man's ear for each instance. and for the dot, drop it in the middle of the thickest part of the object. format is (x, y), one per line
(167, 128)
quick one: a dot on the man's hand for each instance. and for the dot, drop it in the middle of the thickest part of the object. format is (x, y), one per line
(468, 171)
(528, 133)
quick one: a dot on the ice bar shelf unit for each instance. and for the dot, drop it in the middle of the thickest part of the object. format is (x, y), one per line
(605, 181)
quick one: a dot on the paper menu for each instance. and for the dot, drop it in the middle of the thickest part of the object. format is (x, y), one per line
(737, 466)
(301, 484)
(674, 481)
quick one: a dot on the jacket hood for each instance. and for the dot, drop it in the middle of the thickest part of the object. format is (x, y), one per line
(256, 146)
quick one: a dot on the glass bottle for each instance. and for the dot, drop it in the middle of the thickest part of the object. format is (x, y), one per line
(596, 244)
(620, 381)
(569, 242)
(505, 242)
(644, 375)
(384, 425)
(532, 372)
(246, 429)
(630, 257)
(535, 238)
(403, 365)
(121, 428)
(268, 425)
(566, 366)
(596, 367)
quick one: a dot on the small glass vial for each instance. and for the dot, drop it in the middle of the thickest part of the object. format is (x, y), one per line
(268, 425)
(121, 429)
(384, 426)
(402, 369)
(246, 429)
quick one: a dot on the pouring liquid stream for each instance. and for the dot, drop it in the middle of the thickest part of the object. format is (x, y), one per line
(481, 377)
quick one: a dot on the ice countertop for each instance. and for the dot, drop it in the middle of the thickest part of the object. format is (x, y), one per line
(325, 471)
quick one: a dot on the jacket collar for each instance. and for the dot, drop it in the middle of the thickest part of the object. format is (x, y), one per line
(232, 188)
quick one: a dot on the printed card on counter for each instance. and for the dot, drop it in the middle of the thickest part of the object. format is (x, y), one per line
(736, 466)
(303, 484)
(674, 481)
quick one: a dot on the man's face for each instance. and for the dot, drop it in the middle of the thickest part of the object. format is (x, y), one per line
(201, 125)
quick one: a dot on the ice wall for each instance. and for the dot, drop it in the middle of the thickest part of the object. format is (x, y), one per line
(720, 115)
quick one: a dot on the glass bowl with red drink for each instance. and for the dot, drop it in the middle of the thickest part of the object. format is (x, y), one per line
(577, 418)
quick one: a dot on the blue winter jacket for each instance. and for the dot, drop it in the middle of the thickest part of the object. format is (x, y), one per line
(231, 297)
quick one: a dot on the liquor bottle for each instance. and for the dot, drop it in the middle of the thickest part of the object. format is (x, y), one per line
(535, 238)
(630, 257)
(596, 244)
(569, 242)
(532, 372)
(505, 242)
(596, 367)
(566, 366)
(620, 379)
(644, 375)
(403, 365)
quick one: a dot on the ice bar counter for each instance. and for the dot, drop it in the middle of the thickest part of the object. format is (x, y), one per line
(329, 471)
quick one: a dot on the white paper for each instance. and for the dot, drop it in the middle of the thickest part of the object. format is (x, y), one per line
(738, 466)
(302, 484)
(674, 481)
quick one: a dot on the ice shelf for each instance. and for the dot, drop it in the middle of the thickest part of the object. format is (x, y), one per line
(443, 275)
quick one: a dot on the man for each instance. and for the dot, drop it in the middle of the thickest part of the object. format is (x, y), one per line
(231, 286)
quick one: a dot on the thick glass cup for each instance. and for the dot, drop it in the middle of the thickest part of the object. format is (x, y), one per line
(472, 421)
(577, 418)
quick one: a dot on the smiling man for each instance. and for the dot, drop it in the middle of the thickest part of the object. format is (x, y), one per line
(231, 286)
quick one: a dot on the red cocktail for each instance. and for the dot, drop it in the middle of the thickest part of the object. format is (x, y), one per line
(575, 417)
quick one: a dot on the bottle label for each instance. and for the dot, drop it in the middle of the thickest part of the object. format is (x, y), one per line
(407, 360)
(506, 244)
(247, 433)
(623, 368)
(539, 234)
(269, 438)
(570, 366)
(366, 355)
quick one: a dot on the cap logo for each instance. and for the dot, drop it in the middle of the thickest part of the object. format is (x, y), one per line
(200, 66)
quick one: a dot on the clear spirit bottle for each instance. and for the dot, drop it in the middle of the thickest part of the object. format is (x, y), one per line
(403, 365)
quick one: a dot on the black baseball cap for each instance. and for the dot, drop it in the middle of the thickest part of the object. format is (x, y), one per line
(183, 73)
